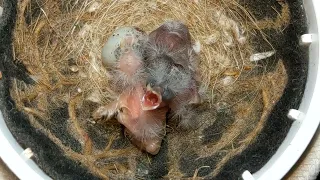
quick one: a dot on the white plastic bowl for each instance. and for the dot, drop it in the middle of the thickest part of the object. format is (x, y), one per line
(298, 138)
(307, 116)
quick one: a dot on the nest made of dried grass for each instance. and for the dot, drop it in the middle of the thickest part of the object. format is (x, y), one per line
(60, 43)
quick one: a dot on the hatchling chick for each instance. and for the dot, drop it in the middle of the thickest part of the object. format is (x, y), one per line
(171, 67)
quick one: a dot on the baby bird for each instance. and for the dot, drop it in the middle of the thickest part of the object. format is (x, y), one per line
(171, 70)
(145, 127)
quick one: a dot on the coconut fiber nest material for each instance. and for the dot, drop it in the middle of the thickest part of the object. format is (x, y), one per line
(52, 80)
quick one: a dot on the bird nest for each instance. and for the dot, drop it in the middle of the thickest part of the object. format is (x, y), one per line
(59, 43)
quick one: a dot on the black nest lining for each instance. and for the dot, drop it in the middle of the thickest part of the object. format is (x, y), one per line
(58, 166)
(295, 59)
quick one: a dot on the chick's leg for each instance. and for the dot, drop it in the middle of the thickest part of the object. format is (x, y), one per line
(108, 111)
(183, 109)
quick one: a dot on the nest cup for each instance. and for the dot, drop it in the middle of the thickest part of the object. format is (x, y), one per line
(304, 118)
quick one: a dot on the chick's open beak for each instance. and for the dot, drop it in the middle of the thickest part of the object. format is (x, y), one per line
(151, 99)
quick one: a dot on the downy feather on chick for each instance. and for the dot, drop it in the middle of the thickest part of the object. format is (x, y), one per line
(171, 67)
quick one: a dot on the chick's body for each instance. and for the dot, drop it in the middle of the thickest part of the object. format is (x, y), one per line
(171, 67)
(144, 128)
